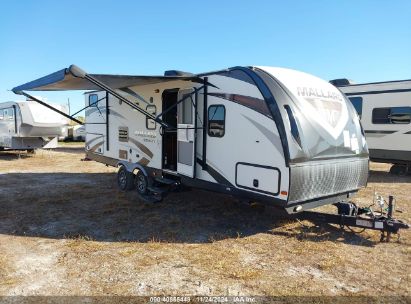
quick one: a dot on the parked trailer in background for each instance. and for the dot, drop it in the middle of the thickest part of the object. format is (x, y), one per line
(27, 125)
(385, 112)
(73, 133)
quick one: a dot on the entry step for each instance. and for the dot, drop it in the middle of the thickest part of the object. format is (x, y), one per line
(158, 190)
(167, 181)
(150, 198)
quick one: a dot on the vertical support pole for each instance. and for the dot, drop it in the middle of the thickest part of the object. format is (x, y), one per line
(15, 119)
(107, 122)
(195, 134)
(390, 212)
(390, 206)
(205, 123)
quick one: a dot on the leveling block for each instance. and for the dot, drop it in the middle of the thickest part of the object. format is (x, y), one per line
(350, 215)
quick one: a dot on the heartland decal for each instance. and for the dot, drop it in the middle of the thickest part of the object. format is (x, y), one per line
(318, 93)
(148, 136)
(328, 104)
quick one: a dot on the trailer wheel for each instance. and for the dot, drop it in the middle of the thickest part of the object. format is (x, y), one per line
(125, 179)
(398, 169)
(141, 183)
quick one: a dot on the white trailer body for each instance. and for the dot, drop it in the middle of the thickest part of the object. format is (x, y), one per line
(27, 125)
(268, 134)
(385, 112)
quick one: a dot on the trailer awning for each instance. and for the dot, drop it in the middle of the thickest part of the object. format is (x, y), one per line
(72, 78)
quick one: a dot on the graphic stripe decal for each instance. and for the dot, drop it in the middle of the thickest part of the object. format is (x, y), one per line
(273, 138)
(93, 140)
(103, 111)
(94, 148)
(142, 147)
(144, 161)
(217, 176)
(256, 104)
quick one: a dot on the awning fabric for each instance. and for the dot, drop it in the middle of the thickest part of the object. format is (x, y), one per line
(66, 80)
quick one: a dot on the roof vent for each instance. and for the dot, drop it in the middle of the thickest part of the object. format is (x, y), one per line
(177, 73)
(341, 82)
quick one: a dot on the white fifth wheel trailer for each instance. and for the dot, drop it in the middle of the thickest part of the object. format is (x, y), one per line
(27, 125)
(385, 112)
(274, 135)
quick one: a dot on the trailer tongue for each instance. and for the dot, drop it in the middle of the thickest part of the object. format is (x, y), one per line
(350, 215)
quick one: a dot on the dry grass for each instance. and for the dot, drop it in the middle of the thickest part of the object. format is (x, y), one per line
(70, 232)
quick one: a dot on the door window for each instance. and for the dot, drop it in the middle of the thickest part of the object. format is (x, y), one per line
(187, 109)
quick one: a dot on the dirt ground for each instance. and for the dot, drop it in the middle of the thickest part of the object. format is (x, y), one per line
(65, 229)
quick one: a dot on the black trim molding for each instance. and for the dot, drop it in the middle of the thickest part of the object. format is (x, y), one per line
(378, 92)
(271, 104)
(214, 174)
(379, 132)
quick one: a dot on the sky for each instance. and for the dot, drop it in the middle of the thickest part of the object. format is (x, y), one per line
(363, 40)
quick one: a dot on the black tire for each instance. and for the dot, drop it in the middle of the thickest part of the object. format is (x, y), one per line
(125, 179)
(141, 183)
(398, 169)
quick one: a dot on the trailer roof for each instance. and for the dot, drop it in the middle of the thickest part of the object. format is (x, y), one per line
(396, 86)
(405, 81)
(68, 79)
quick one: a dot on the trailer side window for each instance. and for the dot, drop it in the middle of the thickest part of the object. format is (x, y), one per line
(400, 115)
(357, 103)
(92, 100)
(151, 123)
(11, 114)
(394, 115)
(8, 114)
(216, 121)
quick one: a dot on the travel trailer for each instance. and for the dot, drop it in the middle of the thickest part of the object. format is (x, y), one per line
(79, 133)
(28, 125)
(385, 112)
(266, 134)
(73, 133)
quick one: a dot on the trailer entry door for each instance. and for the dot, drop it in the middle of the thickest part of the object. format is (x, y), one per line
(185, 133)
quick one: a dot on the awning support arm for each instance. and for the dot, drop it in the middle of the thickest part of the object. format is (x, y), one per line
(77, 72)
(50, 107)
(90, 105)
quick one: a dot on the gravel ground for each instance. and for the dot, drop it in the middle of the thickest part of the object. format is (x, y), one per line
(65, 229)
